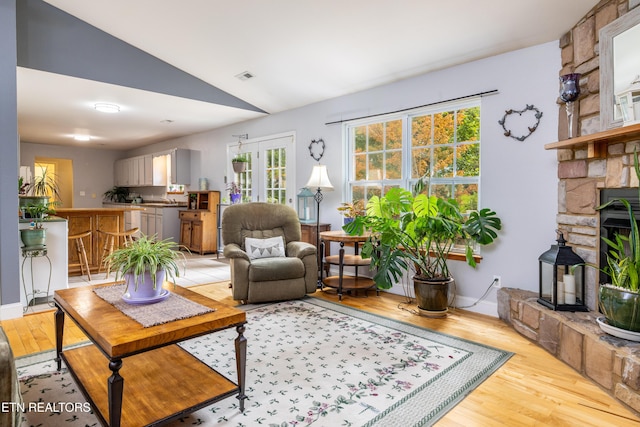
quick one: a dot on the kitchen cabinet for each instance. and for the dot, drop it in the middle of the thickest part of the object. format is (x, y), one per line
(161, 221)
(134, 171)
(180, 163)
(158, 169)
(199, 223)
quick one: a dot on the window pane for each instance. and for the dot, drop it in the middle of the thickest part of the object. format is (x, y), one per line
(394, 135)
(420, 162)
(467, 197)
(469, 124)
(360, 165)
(393, 165)
(443, 162)
(441, 190)
(421, 131)
(443, 128)
(360, 139)
(468, 160)
(375, 162)
(375, 137)
(374, 191)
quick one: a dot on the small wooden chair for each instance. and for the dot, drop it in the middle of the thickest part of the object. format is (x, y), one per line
(110, 239)
(83, 262)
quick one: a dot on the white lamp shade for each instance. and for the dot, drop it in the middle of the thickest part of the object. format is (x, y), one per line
(319, 179)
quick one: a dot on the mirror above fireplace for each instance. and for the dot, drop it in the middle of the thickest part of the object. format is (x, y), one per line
(619, 66)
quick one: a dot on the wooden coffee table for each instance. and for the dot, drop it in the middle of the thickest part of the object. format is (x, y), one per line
(163, 381)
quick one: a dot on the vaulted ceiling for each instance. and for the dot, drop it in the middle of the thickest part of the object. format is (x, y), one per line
(298, 51)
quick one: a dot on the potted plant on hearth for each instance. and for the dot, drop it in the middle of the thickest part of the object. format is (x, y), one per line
(413, 229)
(619, 300)
(145, 264)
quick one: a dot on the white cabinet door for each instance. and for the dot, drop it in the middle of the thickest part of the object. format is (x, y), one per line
(158, 222)
(148, 170)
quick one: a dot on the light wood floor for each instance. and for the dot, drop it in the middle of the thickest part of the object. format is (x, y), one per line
(531, 389)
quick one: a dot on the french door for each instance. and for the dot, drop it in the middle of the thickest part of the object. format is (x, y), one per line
(269, 175)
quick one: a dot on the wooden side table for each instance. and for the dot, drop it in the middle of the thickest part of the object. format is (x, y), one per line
(343, 282)
(308, 234)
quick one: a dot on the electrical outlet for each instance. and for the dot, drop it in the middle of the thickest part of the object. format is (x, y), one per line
(497, 281)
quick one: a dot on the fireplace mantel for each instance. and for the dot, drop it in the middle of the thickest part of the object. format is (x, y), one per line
(596, 143)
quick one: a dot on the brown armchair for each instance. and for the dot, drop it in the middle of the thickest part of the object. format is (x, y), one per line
(276, 265)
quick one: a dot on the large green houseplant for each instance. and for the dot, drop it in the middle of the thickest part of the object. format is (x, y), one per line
(40, 189)
(144, 264)
(411, 228)
(35, 236)
(619, 300)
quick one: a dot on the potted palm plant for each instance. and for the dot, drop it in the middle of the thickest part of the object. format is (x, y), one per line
(145, 264)
(40, 190)
(413, 229)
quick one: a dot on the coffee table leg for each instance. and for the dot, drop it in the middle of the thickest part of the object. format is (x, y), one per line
(59, 321)
(241, 363)
(116, 386)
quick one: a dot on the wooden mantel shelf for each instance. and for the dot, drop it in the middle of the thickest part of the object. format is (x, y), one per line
(597, 142)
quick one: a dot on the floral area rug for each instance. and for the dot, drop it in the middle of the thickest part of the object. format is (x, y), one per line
(309, 363)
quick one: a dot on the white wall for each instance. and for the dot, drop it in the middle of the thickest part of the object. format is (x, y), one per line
(518, 178)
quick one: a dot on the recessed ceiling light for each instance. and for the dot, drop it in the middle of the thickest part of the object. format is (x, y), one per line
(82, 137)
(107, 108)
(245, 75)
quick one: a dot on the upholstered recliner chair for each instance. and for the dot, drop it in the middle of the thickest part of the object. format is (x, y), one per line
(268, 260)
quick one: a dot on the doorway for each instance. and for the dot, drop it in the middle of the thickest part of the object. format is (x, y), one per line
(269, 174)
(62, 171)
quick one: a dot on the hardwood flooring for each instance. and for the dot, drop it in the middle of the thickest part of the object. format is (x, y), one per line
(532, 389)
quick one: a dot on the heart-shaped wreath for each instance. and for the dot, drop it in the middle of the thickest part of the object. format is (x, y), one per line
(316, 149)
(507, 132)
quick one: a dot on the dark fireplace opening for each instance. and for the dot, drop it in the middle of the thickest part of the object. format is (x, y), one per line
(614, 219)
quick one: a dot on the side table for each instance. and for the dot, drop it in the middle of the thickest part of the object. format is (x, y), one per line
(29, 253)
(345, 282)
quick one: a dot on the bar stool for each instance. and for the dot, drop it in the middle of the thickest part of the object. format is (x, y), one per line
(110, 238)
(83, 262)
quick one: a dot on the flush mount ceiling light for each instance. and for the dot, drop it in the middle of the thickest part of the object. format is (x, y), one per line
(83, 138)
(107, 108)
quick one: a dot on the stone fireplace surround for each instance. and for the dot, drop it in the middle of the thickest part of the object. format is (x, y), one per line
(586, 165)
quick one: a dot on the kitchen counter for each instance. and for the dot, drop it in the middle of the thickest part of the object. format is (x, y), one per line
(149, 204)
(95, 220)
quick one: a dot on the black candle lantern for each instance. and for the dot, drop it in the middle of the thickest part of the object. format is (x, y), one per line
(562, 278)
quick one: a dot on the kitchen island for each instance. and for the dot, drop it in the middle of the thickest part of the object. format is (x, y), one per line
(95, 220)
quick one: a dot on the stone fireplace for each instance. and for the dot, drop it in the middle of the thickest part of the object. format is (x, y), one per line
(595, 161)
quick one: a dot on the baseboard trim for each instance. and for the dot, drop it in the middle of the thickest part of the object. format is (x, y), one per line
(11, 311)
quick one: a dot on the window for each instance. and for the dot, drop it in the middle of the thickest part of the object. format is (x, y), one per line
(442, 143)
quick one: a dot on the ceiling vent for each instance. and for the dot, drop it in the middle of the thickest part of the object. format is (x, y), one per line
(245, 75)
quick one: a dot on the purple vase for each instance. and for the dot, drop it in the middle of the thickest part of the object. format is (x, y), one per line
(145, 286)
(235, 198)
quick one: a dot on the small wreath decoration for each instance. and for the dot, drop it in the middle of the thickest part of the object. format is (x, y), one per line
(316, 149)
(537, 115)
